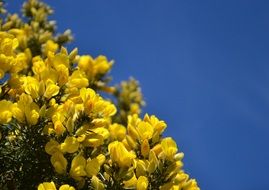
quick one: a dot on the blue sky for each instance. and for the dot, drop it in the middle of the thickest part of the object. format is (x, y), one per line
(204, 69)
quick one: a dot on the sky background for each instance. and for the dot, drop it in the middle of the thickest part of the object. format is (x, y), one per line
(204, 69)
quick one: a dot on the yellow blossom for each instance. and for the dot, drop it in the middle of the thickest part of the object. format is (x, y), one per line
(145, 148)
(94, 67)
(38, 66)
(19, 63)
(59, 127)
(52, 147)
(117, 132)
(92, 167)
(78, 167)
(190, 185)
(59, 162)
(47, 186)
(142, 183)
(63, 74)
(93, 140)
(120, 154)
(158, 125)
(153, 162)
(25, 108)
(31, 86)
(66, 187)
(60, 59)
(78, 80)
(70, 145)
(51, 46)
(5, 111)
(97, 184)
(101, 131)
(145, 130)
(7, 43)
(104, 108)
(141, 168)
(51, 89)
(102, 65)
(101, 159)
(131, 183)
(169, 147)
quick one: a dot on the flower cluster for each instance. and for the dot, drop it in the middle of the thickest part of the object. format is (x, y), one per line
(58, 132)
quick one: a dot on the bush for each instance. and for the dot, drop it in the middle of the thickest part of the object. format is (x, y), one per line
(57, 131)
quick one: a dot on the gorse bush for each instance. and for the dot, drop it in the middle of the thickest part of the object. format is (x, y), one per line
(58, 132)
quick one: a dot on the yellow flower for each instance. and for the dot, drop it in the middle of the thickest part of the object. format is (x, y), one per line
(173, 169)
(180, 178)
(102, 65)
(63, 74)
(157, 149)
(19, 63)
(7, 43)
(31, 86)
(132, 131)
(97, 184)
(104, 108)
(94, 67)
(66, 187)
(93, 140)
(47, 186)
(190, 185)
(78, 167)
(153, 162)
(38, 65)
(60, 59)
(5, 111)
(169, 147)
(145, 148)
(117, 132)
(130, 143)
(92, 167)
(158, 125)
(78, 80)
(86, 64)
(131, 183)
(70, 145)
(86, 94)
(101, 131)
(52, 147)
(141, 168)
(25, 108)
(101, 159)
(59, 127)
(142, 183)
(120, 154)
(59, 162)
(51, 89)
(50, 46)
(145, 130)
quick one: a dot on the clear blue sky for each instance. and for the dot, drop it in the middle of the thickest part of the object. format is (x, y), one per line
(204, 69)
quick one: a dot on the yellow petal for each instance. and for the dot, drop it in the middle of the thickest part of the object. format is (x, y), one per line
(70, 145)
(59, 162)
(47, 186)
(78, 167)
(92, 167)
(52, 147)
(169, 147)
(66, 187)
(142, 183)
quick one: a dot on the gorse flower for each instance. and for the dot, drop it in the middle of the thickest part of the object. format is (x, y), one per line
(58, 131)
